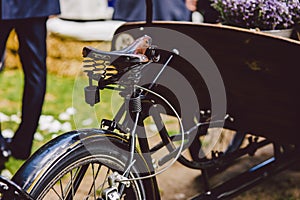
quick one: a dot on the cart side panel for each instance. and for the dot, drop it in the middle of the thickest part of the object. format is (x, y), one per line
(260, 74)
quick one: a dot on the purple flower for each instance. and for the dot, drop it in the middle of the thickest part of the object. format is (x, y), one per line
(262, 14)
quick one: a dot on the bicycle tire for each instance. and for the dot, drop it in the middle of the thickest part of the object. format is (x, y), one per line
(98, 148)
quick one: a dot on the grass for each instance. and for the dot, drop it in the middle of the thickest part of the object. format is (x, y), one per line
(62, 93)
(64, 64)
(58, 99)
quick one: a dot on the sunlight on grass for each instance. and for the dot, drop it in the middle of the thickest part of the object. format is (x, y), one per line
(58, 111)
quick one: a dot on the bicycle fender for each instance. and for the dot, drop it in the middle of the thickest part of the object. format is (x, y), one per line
(48, 154)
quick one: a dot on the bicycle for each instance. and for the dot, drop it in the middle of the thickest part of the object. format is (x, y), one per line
(52, 162)
(116, 161)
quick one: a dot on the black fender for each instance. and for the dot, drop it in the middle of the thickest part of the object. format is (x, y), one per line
(48, 154)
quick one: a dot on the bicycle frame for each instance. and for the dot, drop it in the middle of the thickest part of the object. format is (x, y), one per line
(130, 118)
(280, 161)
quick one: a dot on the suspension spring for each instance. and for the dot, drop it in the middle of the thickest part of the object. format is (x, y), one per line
(135, 104)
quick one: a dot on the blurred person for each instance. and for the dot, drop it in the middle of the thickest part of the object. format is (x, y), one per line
(111, 3)
(28, 19)
(191, 5)
(135, 10)
(210, 14)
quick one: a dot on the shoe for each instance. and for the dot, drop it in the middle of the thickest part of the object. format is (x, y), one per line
(5, 152)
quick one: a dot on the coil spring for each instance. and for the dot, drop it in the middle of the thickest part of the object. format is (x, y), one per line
(97, 68)
(135, 104)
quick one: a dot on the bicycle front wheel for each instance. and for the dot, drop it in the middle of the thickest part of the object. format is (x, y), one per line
(83, 172)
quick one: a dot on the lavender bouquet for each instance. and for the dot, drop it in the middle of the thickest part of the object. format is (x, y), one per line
(262, 14)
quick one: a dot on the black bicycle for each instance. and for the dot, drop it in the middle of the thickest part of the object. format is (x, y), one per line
(178, 90)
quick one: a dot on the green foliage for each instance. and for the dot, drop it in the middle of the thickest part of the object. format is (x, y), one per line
(63, 93)
(58, 98)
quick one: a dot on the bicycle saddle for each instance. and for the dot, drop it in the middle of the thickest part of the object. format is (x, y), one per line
(133, 53)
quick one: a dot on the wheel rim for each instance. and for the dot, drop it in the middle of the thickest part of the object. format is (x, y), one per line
(87, 179)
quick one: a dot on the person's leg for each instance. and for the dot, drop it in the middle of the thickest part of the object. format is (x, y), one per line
(32, 50)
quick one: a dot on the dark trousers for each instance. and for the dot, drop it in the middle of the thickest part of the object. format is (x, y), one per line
(32, 51)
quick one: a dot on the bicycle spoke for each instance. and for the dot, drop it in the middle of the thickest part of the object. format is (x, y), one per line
(87, 178)
(94, 181)
(72, 185)
(61, 189)
(55, 192)
(106, 177)
(76, 181)
(104, 180)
